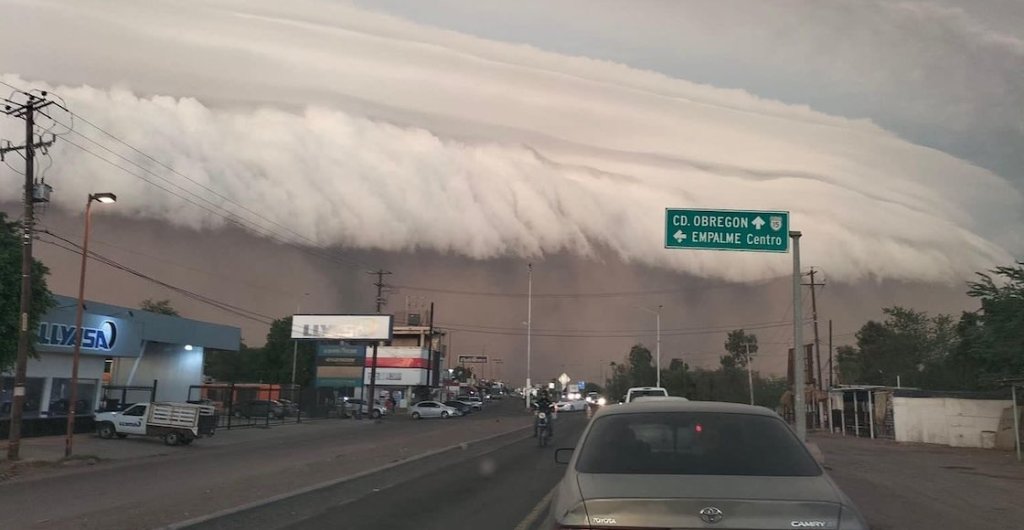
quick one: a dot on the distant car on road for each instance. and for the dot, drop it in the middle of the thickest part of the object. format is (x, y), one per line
(431, 409)
(461, 406)
(571, 406)
(669, 463)
(638, 391)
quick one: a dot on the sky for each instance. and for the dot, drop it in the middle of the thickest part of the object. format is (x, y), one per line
(456, 141)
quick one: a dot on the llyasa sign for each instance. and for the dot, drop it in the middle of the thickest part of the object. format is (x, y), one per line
(102, 338)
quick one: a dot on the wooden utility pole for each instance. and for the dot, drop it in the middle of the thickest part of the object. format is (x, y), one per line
(27, 112)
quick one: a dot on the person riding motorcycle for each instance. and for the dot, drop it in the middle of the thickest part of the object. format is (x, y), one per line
(545, 405)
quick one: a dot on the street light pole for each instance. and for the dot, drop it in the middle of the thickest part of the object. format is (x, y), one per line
(295, 344)
(69, 438)
(658, 349)
(657, 355)
(750, 373)
(529, 329)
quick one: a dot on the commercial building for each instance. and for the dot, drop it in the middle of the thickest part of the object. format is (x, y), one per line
(121, 346)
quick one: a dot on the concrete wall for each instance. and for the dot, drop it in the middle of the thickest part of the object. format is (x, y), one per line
(174, 367)
(947, 421)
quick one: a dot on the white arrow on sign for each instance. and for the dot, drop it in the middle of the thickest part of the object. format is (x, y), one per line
(758, 222)
(679, 235)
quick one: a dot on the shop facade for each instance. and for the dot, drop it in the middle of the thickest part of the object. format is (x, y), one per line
(121, 346)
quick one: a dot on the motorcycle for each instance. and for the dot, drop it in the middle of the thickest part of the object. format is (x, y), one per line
(543, 429)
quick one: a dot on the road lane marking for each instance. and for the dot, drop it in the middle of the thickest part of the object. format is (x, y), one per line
(335, 482)
(531, 518)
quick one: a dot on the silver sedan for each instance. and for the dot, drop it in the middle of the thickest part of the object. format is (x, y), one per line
(432, 409)
(688, 464)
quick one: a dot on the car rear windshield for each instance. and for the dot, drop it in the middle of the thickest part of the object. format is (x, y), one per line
(694, 443)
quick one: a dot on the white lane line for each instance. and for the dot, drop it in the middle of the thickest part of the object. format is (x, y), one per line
(537, 510)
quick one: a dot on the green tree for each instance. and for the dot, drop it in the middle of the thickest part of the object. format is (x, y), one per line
(274, 361)
(10, 293)
(641, 366)
(162, 307)
(462, 374)
(676, 379)
(909, 344)
(736, 344)
(618, 381)
(995, 336)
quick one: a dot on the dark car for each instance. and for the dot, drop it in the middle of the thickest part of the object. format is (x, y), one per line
(463, 408)
(260, 408)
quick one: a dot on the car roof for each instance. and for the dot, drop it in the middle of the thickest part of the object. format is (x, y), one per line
(678, 405)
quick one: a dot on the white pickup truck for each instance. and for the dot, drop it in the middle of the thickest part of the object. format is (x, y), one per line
(175, 423)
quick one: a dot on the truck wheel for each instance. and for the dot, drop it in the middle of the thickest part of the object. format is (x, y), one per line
(375, 415)
(172, 438)
(106, 430)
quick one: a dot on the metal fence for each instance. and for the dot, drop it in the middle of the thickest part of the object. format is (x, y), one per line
(242, 405)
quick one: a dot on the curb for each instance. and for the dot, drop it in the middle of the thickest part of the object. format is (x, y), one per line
(334, 482)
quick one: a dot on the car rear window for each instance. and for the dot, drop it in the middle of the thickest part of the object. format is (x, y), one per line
(694, 443)
(638, 393)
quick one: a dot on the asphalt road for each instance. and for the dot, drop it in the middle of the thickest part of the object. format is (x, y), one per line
(494, 485)
(186, 482)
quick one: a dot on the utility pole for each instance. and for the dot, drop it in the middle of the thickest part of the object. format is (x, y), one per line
(814, 317)
(830, 369)
(371, 401)
(819, 383)
(27, 112)
(380, 274)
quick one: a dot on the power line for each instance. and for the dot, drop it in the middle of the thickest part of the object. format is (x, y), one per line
(607, 294)
(74, 248)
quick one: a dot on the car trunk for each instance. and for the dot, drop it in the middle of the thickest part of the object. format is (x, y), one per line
(676, 501)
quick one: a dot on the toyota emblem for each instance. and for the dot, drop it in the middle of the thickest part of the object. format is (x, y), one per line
(711, 514)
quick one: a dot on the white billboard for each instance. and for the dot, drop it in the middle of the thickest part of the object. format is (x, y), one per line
(342, 327)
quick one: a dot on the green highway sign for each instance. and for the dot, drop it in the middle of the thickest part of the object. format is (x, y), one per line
(748, 230)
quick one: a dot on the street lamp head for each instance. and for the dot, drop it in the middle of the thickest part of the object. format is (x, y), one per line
(105, 198)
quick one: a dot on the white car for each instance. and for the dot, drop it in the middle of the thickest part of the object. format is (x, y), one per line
(432, 409)
(571, 406)
(638, 391)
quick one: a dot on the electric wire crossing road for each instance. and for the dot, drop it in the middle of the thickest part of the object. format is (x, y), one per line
(749, 230)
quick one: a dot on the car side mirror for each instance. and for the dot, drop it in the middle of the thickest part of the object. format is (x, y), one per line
(816, 452)
(563, 455)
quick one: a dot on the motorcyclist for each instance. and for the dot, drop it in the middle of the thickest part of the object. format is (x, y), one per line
(545, 405)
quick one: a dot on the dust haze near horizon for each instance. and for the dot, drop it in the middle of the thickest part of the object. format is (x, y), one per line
(385, 139)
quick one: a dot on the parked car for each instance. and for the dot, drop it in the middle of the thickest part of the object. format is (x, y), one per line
(260, 408)
(432, 409)
(461, 406)
(670, 463)
(291, 408)
(354, 405)
(472, 400)
(475, 406)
